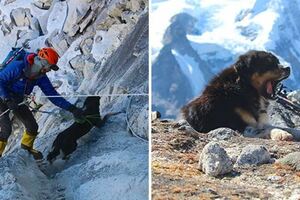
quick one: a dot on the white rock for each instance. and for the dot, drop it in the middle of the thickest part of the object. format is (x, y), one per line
(253, 155)
(86, 45)
(5, 28)
(214, 160)
(19, 16)
(8, 2)
(109, 42)
(77, 11)
(26, 35)
(57, 16)
(222, 134)
(59, 42)
(140, 124)
(86, 21)
(134, 5)
(43, 4)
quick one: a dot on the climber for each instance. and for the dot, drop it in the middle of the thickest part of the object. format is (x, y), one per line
(17, 80)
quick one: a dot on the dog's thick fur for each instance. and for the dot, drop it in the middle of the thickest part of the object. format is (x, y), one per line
(239, 96)
(66, 141)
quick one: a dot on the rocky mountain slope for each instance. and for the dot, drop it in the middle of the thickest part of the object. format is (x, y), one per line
(224, 164)
(103, 47)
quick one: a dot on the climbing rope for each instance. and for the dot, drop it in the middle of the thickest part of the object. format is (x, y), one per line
(30, 97)
(94, 95)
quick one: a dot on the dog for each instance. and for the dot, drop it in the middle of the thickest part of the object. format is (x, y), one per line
(239, 96)
(66, 142)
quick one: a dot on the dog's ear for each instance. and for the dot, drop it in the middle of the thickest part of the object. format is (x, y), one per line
(245, 62)
(241, 64)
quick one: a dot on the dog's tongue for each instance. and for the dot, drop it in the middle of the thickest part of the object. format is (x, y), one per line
(269, 87)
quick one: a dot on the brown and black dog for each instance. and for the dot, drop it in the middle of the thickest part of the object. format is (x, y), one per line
(66, 141)
(239, 96)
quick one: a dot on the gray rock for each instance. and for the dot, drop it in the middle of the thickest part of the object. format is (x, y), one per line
(20, 16)
(134, 5)
(253, 155)
(8, 1)
(292, 159)
(86, 45)
(58, 40)
(5, 28)
(76, 16)
(214, 160)
(43, 4)
(181, 122)
(222, 134)
(87, 20)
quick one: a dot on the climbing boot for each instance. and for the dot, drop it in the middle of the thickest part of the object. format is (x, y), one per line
(2, 147)
(27, 144)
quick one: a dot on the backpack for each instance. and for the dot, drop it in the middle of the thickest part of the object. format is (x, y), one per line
(14, 54)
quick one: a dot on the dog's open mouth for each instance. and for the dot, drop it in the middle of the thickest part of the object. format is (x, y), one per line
(271, 88)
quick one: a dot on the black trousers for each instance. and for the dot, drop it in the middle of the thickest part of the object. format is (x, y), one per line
(23, 114)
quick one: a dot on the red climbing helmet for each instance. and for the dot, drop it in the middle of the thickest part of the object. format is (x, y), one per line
(49, 54)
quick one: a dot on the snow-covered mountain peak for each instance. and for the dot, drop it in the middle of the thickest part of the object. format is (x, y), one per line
(227, 29)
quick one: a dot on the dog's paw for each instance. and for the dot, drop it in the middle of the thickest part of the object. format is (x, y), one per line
(281, 135)
(52, 155)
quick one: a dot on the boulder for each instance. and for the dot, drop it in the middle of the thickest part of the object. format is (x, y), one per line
(43, 4)
(86, 45)
(78, 13)
(292, 159)
(214, 160)
(222, 134)
(253, 155)
(58, 40)
(20, 16)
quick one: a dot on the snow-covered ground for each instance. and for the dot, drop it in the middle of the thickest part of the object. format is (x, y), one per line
(103, 51)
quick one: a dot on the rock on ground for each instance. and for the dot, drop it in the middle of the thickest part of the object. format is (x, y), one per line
(222, 134)
(253, 155)
(176, 174)
(214, 160)
(292, 159)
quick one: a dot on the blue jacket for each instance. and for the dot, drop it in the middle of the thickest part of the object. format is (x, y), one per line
(14, 83)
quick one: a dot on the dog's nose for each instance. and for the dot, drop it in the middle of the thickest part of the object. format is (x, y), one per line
(287, 70)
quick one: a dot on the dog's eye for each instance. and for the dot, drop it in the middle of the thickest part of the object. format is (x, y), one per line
(280, 66)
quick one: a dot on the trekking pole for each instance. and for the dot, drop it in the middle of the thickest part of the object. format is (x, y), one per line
(25, 45)
(13, 56)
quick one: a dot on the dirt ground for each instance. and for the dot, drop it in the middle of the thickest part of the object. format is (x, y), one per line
(175, 173)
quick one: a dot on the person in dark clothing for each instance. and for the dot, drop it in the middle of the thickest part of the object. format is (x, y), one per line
(18, 79)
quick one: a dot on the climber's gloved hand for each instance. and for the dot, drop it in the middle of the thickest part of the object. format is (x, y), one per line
(11, 104)
(77, 112)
